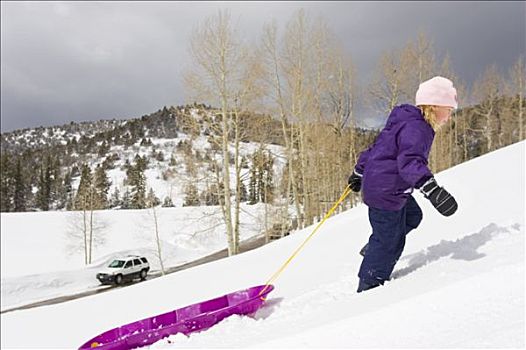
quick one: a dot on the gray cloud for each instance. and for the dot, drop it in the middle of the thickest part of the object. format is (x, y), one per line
(64, 61)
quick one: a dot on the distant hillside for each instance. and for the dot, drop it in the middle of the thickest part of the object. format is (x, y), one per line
(176, 147)
(86, 137)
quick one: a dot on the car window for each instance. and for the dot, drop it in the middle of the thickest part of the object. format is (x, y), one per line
(144, 260)
(116, 263)
(136, 262)
(128, 264)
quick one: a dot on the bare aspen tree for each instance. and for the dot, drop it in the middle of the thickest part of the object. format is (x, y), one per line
(214, 51)
(421, 56)
(309, 90)
(157, 238)
(314, 176)
(332, 105)
(317, 177)
(450, 156)
(454, 127)
(386, 89)
(276, 89)
(338, 144)
(220, 76)
(87, 223)
(91, 224)
(308, 51)
(460, 122)
(321, 50)
(443, 149)
(86, 227)
(399, 73)
(248, 91)
(517, 87)
(295, 65)
(509, 109)
(85, 230)
(487, 90)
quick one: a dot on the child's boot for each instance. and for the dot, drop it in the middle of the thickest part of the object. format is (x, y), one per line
(363, 285)
(364, 249)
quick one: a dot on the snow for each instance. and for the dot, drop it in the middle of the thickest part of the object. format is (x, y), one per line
(459, 283)
(174, 187)
(32, 270)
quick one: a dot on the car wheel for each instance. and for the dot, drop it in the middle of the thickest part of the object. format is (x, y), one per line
(143, 275)
(118, 279)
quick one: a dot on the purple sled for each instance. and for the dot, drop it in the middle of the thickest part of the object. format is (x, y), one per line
(192, 318)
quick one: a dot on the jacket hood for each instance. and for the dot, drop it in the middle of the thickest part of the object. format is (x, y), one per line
(404, 113)
(391, 168)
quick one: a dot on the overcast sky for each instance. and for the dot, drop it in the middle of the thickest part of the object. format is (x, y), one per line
(77, 61)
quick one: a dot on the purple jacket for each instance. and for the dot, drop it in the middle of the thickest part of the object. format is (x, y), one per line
(397, 161)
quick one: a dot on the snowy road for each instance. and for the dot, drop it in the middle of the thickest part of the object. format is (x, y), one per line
(244, 247)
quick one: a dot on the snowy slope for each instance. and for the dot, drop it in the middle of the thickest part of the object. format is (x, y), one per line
(459, 283)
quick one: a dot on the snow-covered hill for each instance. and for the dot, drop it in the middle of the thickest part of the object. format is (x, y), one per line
(459, 283)
(178, 144)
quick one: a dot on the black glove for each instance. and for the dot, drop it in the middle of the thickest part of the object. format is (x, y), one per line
(355, 181)
(439, 197)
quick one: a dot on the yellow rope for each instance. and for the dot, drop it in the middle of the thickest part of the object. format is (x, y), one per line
(329, 213)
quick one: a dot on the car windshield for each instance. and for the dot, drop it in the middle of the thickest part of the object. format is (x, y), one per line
(116, 263)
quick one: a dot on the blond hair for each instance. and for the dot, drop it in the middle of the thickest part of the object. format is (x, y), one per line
(430, 116)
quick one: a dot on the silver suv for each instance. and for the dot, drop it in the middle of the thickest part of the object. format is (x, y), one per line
(127, 268)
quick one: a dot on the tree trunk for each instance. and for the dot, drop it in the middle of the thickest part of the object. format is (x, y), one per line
(158, 240)
(91, 226)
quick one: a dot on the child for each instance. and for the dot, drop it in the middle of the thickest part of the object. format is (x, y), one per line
(391, 168)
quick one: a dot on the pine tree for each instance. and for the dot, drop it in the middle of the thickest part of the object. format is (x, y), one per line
(191, 195)
(260, 183)
(126, 200)
(43, 198)
(139, 191)
(57, 193)
(141, 163)
(5, 183)
(172, 161)
(210, 196)
(82, 199)
(168, 202)
(66, 199)
(20, 188)
(243, 195)
(268, 180)
(101, 186)
(152, 200)
(137, 181)
(252, 190)
(244, 162)
(104, 148)
(115, 200)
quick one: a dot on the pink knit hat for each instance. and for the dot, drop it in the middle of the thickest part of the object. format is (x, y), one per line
(437, 91)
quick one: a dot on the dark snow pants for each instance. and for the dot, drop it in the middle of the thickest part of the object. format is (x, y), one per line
(387, 240)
